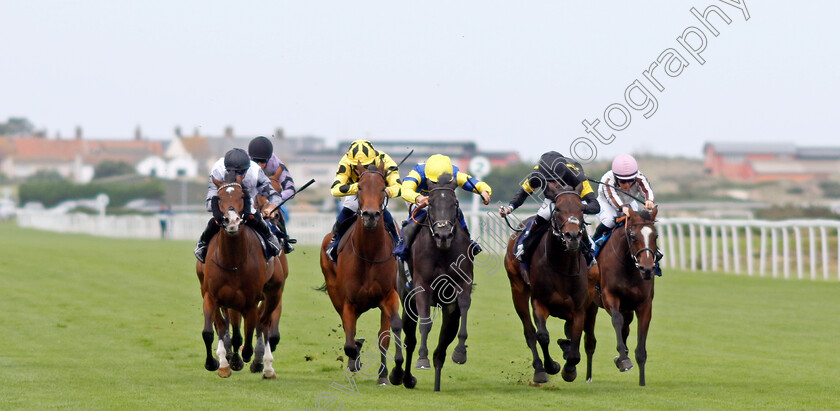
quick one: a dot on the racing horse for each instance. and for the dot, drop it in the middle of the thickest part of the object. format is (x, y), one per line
(442, 268)
(556, 284)
(364, 275)
(235, 277)
(622, 284)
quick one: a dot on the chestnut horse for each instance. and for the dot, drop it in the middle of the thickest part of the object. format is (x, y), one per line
(556, 283)
(622, 283)
(235, 277)
(442, 267)
(364, 274)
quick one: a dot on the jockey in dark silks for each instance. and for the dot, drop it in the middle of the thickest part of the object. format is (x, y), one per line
(346, 186)
(415, 191)
(552, 167)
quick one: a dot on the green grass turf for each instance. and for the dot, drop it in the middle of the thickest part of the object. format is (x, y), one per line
(98, 323)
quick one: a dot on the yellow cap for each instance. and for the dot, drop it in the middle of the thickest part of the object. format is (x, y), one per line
(436, 165)
(362, 150)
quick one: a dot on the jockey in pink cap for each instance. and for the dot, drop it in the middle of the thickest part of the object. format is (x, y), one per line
(618, 187)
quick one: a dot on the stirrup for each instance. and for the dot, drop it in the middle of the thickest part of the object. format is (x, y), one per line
(200, 252)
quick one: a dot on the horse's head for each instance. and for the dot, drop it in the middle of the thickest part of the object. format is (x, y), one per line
(567, 216)
(443, 210)
(231, 203)
(371, 194)
(641, 239)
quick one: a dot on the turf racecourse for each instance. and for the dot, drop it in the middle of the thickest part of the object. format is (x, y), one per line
(97, 323)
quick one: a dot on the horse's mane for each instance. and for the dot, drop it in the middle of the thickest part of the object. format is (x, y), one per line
(230, 176)
(645, 215)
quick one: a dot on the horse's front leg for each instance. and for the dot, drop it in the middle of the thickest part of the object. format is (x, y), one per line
(251, 321)
(589, 341)
(409, 323)
(234, 318)
(351, 348)
(448, 331)
(210, 309)
(424, 302)
(390, 309)
(572, 355)
(643, 313)
(612, 305)
(541, 314)
(459, 354)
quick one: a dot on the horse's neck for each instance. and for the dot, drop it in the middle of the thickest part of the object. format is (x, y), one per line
(232, 248)
(617, 244)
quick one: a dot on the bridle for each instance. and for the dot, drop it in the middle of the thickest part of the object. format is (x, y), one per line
(628, 233)
(228, 185)
(432, 224)
(557, 230)
(385, 202)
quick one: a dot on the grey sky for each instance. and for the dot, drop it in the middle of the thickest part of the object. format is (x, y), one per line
(510, 75)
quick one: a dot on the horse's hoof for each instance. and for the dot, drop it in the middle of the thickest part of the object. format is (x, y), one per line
(396, 376)
(269, 376)
(569, 374)
(540, 377)
(211, 364)
(623, 365)
(354, 364)
(552, 368)
(459, 357)
(565, 345)
(382, 382)
(224, 372)
(588, 380)
(423, 364)
(256, 367)
(410, 382)
(236, 363)
(247, 352)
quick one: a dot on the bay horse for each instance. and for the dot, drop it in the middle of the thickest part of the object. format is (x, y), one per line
(556, 284)
(622, 283)
(235, 277)
(442, 271)
(364, 275)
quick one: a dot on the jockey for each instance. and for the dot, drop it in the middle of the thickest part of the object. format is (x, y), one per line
(262, 152)
(346, 185)
(619, 185)
(552, 166)
(417, 180)
(237, 163)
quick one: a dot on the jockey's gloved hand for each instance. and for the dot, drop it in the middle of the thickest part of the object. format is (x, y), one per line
(214, 208)
(505, 210)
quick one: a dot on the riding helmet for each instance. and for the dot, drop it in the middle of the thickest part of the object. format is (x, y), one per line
(437, 165)
(624, 167)
(362, 150)
(237, 160)
(260, 148)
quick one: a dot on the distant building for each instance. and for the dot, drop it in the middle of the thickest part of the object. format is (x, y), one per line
(756, 162)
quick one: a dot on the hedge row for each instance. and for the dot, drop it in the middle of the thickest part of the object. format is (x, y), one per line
(51, 193)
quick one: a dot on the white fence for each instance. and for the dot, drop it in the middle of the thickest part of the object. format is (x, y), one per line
(803, 249)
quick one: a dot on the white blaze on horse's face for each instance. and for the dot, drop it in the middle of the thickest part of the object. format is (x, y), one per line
(232, 226)
(229, 190)
(646, 232)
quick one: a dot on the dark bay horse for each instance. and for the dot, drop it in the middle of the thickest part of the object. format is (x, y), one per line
(556, 286)
(235, 277)
(622, 283)
(364, 275)
(442, 268)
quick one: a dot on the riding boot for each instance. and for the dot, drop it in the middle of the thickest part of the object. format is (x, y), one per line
(390, 227)
(656, 270)
(282, 233)
(201, 247)
(256, 222)
(586, 248)
(527, 240)
(473, 245)
(402, 248)
(600, 232)
(341, 225)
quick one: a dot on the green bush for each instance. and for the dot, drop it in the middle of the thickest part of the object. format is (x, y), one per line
(51, 193)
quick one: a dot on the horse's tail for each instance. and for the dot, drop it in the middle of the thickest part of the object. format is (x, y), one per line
(322, 288)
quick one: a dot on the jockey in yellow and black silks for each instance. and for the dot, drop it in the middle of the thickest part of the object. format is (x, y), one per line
(346, 186)
(415, 190)
(552, 167)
